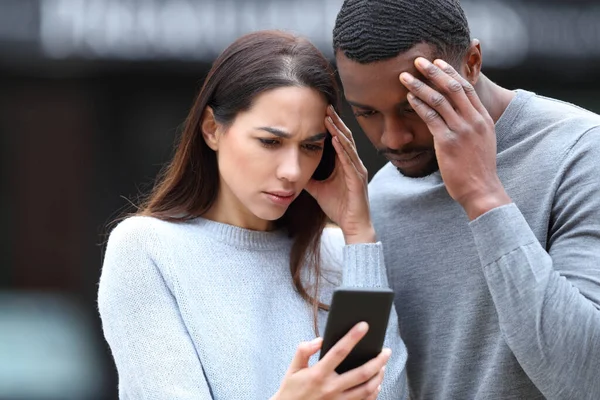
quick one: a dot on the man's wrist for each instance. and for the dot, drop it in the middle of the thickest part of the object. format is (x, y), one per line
(480, 205)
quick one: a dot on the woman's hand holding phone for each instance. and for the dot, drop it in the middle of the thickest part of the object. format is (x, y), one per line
(344, 195)
(320, 381)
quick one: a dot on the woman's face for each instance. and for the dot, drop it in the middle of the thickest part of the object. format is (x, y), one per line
(268, 155)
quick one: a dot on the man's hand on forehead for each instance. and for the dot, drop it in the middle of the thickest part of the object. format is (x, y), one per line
(440, 86)
(464, 134)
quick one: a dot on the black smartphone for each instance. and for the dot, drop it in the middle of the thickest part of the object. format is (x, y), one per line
(350, 306)
(327, 164)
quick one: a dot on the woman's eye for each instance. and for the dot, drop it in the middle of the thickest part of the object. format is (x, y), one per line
(269, 142)
(313, 147)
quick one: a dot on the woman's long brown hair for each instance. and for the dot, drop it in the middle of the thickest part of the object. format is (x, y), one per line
(188, 185)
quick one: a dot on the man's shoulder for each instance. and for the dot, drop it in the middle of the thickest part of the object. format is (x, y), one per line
(559, 113)
(541, 129)
(566, 106)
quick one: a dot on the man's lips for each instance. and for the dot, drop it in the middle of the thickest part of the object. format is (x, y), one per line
(407, 156)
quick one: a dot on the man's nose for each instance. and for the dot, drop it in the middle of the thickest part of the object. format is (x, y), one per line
(395, 134)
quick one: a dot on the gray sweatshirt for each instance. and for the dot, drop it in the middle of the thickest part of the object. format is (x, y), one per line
(506, 306)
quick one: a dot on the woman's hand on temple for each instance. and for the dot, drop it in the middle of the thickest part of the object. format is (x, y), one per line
(344, 195)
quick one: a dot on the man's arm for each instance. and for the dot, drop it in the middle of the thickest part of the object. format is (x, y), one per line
(548, 303)
(153, 352)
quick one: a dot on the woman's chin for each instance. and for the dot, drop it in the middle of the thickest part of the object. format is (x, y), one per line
(272, 214)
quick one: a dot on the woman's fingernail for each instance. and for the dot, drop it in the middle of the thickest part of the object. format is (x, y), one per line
(330, 120)
(362, 327)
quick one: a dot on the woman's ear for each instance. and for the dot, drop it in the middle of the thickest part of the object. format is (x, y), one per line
(210, 128)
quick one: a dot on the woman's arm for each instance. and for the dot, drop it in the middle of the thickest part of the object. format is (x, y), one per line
(153, 352)
(362, 265)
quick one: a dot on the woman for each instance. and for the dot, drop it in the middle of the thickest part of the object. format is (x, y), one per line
(218, 287)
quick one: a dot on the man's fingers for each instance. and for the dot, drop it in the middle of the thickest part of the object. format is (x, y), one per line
(431, 117)
(468, 89)
(447, 84)
(433, 100)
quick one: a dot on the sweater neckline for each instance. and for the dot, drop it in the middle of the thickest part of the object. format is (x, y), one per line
(238, 237)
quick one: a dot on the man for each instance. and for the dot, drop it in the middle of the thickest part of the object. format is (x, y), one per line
(492, 226)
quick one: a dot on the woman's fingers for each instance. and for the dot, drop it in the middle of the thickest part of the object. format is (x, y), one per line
(345, 158)
(303, 353)
(340, 125)
(368, 390)
(366, 371)
(342, 348)
(348, 147)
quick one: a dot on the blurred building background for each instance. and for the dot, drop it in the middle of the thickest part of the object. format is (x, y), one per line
(92, 93)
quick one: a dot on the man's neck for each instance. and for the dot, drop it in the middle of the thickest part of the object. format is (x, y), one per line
(493, 97)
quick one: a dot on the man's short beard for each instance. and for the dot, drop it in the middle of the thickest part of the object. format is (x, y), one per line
(431, 167)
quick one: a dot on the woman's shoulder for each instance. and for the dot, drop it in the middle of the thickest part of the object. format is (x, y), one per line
(139, 246)
(135, 229)
(146, 232)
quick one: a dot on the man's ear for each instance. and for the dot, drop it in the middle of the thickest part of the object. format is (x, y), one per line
(210, 128)
(473, 62)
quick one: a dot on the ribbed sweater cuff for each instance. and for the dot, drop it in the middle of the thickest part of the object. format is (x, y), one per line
(499, 232)
(364, 265)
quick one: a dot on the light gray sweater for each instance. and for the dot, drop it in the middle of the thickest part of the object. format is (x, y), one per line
(507, 306)
(204, 310)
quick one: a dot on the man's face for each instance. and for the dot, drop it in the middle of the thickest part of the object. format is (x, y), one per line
(378, 100)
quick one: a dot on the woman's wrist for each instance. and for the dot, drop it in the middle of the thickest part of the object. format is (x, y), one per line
(361, 235)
